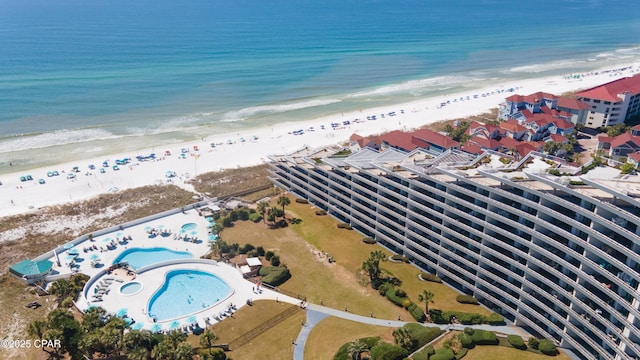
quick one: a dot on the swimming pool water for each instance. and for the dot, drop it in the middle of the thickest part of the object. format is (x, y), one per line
(189, 226)
(186, 292)
(130, 288)
(140, 257)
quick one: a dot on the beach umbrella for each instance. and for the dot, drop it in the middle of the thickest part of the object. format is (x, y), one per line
(156, 328)
(119, 234)
(122, 312)
(213, 238)
(68, 246)
(194, 233)
(70, 257)
(160, 226)
(183, 231)
(137, 326)
(94, 257)
(73, 251)
(191, 319)
(147, 228)
(106, 240)
(174, 325)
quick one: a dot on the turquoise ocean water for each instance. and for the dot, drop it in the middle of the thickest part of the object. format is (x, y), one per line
(85, 78)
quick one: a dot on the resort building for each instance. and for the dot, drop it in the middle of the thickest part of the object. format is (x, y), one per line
(612, 103)
(520, 107)
(555, 255)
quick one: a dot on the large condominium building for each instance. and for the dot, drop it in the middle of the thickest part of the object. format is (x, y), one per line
(612, 103)
(556, 255)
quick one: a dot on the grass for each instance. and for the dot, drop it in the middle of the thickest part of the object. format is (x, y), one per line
(231, 181)
(503, 352)
(331, 333)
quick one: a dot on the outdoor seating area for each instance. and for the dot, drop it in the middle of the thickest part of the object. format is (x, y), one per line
(102, 289)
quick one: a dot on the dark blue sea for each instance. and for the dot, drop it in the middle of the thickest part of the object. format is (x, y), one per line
(83, 78)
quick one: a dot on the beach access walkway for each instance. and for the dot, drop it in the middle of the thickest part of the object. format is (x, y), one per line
(316, 313)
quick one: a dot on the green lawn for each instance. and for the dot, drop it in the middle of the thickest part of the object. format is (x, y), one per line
(506, 353)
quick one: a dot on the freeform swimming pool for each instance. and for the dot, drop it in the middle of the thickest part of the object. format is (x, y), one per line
(186, 292)
(189, 226)
(131, 288)
(140, 257)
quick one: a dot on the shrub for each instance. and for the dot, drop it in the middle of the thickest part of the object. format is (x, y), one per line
(391, 295)
(67, 302)
(386, 351)
(461, 353)
(547, 347)
(245, 249)
(368, 240)
(342, 353)
(401, 293)
(533, 343)
(468, 331)
(321, 212)
(516, 341)
(430, 277)
(282, 223)
(268, 255)
(255, 217)
(422, 335)
(274, 275)
(466, 341)
(275, 260)
(217, 354)
(495, 319)
(424, 353)
(443, 354)
(227, 222)
(396, 257)
(243, 214)
(484, 337)
(344, 226)
(438, 317)
(260, 251)
(302, 201)
(416, 312)
(466, 299)
(233, 215)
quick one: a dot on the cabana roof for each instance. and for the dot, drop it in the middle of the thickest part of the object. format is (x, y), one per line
(31, 268)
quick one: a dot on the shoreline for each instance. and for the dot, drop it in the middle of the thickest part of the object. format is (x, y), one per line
(249, 147)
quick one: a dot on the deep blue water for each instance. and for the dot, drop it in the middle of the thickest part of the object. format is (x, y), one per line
(75, 71)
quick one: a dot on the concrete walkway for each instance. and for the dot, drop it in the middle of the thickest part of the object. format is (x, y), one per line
(316, 313)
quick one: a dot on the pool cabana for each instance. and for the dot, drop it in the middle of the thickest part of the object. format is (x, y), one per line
(31, 271)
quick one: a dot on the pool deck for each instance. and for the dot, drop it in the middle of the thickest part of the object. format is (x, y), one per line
(107, 285)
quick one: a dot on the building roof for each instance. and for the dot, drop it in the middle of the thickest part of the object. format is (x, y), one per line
(492, 144)
(31, 268)
(254, 261)
(399, 139)
(563, 124)
(635, 156)
(558, 138)
(512, 125)
(534, 98)
(571, 103)
(435, 138)
(625, 138)
(472, 148)
(525, 148)
(611, 90)
(509, 142)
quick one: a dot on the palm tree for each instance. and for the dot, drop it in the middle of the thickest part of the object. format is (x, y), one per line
(426, 296)
(372, 266)
(175, 337)
(162, 350)
(402, 337)
(207, 338)
(272, 213)
(284, 201)
(138, 353)
(262, 209)
(356, 348)
(184, 351)
(62, 288)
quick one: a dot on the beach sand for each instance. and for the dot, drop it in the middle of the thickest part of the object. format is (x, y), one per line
(252, 147)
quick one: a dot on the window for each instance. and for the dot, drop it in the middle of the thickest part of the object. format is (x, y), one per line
(607, 102)
(596, 101)
(594, 107)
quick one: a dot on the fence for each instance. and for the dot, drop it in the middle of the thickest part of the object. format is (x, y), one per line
(253, 333)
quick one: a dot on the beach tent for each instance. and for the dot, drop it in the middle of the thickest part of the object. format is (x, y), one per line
(30, 271)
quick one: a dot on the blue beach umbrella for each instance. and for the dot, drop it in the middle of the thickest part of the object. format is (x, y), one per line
(73, 251)
(107, 240)
(119, 234)
(122, 312)
(146, 228)
(70, 257)
(94, 257)
(194, 233)
(174, 325)
(156, 328)
(191, 319)
(68, 246)
(160, 226)
(137, 326)
(213, 238)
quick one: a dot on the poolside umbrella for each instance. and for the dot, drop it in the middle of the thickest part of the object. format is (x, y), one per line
(119, 234)
(106, 240)
(70, 257)
(147, 228)
(156, 328)
(213, 238)
(94, 257)
(73, 251)
(137, 326)
(194, 233)
(174, 325)
(128, 320)
(122, 312)
(183, 231)
(68, 246)
(191, 319)
(160, 226)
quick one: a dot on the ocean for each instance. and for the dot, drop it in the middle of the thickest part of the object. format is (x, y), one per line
(81, 79)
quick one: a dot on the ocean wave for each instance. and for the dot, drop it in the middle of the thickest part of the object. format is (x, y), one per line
(554, 65)
(414, 86)
(245, 113)
(59, 137)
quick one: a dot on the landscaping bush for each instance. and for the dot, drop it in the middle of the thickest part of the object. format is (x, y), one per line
(422, 335)
(484, 337)
(464, 317)
(344, 226)
(302, 201)
(391, 295)
(533, 343)
(386, 351)
(245, 249)
(274, 275)
(217, 354)
(547, 347)
(260, 251)
(396, 257)
(268, 255)
(321, 212)
(343, 354)
(495, 319)
(462, 353)
(517, 342)
(282, 223)
(424, 353)
(443, 354)
(233, 215)
(438, 317)
(466, 299)
(368, 240)
(275, 260)
(430, 277)
(255, 217)
(416, 312)
(227, 222)
(243, 214)
(468, 331)
(466, 341)
(401, 293)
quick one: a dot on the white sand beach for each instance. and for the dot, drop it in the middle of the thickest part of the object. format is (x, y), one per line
(252, 147)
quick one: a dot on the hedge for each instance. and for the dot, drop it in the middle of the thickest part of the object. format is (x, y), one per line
(390, 293)
(396, 257)
(430, 277)
(386, 351)
(424, 353)
(467, 299)
(344, 226)
(516, 341)
(484, 337)
(462, 353)
(444, 317)
(321, 212)
(466, 341)
(368, 240)
(416, 311)
(443, 354)
(302, 201)
(547, 347)
(255, 217)
(422, 335)
(274, 275)
(495, 319)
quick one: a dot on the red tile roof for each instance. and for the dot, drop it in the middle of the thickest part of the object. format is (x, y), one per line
(525, 148)
(563, 124)
(625, 138)
(635, 156)
(610, 91)
(512, 125)
(509, 142)
(558, 138)
(485, 143)
(472, 148)
(435, 138)
(399, 139)
(571, 103)
(637, 127)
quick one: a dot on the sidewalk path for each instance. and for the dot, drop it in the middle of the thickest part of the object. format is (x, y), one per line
(316, 313)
